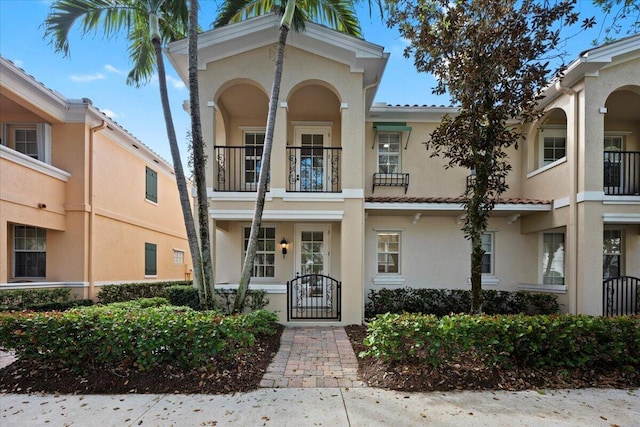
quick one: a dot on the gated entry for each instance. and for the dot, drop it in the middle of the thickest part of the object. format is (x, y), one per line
(313, 297)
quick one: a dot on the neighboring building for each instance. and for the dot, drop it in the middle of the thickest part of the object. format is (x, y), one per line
(82, 202)
(354, 195)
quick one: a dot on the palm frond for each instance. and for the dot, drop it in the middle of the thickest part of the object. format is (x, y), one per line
(240, 10)
(141, 54)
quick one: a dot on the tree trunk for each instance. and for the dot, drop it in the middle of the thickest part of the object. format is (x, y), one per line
(199, 161)
(177, 166)
(247, 267)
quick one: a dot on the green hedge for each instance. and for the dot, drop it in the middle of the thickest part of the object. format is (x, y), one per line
(132, 291)
(23, 299)
(516, 340)
(441, 302)
(127, 335)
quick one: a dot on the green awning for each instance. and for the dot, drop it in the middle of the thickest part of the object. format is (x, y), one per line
(391, 127)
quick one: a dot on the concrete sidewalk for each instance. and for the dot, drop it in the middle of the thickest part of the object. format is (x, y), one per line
(328, 407)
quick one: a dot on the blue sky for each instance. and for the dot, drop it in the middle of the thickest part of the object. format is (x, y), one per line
(97, 69)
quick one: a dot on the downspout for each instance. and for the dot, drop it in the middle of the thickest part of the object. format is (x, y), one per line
(573, 202)
(92, 210)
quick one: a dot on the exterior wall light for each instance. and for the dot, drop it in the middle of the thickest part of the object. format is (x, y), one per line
(283, 245)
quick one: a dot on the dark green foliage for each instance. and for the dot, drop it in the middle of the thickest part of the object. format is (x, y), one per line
(255, 300)
(185, 295)
(441, 302)
(509, 341)
(39, 299)
(132, 291)
(130, 336)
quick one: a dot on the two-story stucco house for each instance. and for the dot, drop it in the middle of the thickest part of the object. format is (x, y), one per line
(82, 202)
(354, 195)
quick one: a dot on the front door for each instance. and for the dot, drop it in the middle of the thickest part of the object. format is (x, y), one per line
(312, 258)
(312, 165)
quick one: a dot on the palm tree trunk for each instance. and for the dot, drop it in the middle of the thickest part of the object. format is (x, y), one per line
(177, 161)
(199, 161)
(247, 267)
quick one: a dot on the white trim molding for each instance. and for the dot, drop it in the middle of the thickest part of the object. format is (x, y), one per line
(41, 285)
(590, 196)
(486, 280)
(561, 202)
(621, 218)
(388, 280)
(621, 200)
(547, 167)
(276, 288)
(504, 207)
(534, 287)
(273, 215)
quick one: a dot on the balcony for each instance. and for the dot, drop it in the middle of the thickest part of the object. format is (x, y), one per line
(237, 168)
(622, 173)
(390, 180)
(314, 169)
(310, 169)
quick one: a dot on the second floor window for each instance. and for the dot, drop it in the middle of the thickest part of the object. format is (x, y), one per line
(389, 152)
(553, 145)
(254, 144)
(151, 189)
(33, 140)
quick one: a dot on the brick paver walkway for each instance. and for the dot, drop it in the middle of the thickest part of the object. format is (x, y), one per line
(313, 357)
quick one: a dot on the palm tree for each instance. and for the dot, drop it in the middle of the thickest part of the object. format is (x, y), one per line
(338, 14)
(199, 158)
(145, 22)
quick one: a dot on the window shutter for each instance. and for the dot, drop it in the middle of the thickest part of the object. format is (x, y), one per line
(152, 185)
(150, 260)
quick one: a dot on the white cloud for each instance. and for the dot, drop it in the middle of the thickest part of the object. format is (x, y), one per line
(176, 83)
(109, 113)
(110, 68)
(87, 77)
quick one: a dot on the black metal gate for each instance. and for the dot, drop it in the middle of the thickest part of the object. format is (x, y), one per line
(313, 297)
(621, 295)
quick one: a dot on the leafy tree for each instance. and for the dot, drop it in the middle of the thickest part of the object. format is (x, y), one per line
(338, 14)
(199, 160)
(620, 12)
(147, 24)
(488, 55)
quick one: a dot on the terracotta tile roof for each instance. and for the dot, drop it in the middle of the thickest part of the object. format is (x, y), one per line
(450, 200)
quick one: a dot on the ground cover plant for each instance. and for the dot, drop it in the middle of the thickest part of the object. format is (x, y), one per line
(515, 352)
(137, 346)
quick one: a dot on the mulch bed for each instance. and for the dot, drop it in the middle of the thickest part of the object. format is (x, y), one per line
(472, 375)
(243, 373)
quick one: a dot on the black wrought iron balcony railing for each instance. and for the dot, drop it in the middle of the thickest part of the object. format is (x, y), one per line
(314, 169)
(622, 173)
(390, 180)
(236, 168)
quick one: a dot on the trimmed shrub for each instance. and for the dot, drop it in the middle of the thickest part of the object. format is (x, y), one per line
(256, 299)
(124, 335)
(185, 295)
(62, 305)
(542, 341)
(441, 302)
(25, 299)
(132, 291)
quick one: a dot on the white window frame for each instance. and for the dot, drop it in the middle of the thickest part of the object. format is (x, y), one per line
(43, 138)
(620, 254)
(385, 144)
(558, 131)
(388, 252)
(178, 257)
(245, 240)
(491, 252)
(542, 258)
(17, 250)
(246, 131)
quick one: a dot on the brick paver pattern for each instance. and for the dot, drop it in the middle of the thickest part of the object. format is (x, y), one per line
(313, 357)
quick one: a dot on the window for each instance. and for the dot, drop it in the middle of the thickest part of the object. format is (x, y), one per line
(389, 153)
(151, 192)
(389, 252)
(613, 163)
(612, 254)
(178, 257)
(33, 140)
(150, 259)
(29, 251)
(553, 258)
(264, 264)
(254, 144)
(553, 145)
(487, 258)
